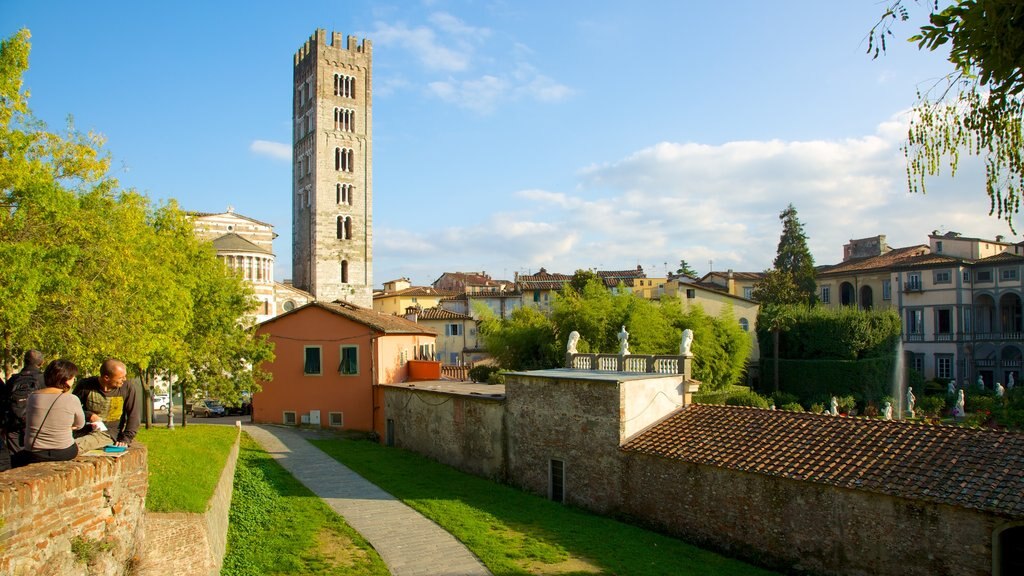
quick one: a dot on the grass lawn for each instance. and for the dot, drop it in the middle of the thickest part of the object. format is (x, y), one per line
(185, 465)
(513, 532)
(277, 526)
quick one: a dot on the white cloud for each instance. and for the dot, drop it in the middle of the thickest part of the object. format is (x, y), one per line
(422, 43)
(719, 203)
(275, 150)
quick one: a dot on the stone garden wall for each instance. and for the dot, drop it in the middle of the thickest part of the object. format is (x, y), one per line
(805, 526)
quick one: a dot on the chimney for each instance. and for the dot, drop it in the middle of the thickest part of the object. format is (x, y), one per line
(412, 313)
(730, 282)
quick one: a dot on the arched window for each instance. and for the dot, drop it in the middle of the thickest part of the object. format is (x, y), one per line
(745, 324)
(351, 160)
(344, 271)
(337, 158)
(337, 193)
(348, 228)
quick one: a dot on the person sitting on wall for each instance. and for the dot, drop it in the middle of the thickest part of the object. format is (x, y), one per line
(112, 408)
(18, 388)
(50, 416)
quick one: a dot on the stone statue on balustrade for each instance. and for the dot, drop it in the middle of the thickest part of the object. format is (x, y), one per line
(911, 400)
(623, 342)
(574, 339)
(951, 388)
(887, 411)
(958, 407)
(834, 406)
(1010, 383)
(981, 382)
(1000, 391)
(684, 346)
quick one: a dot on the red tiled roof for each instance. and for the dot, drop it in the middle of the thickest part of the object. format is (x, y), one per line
(415, 291)
(891, 259)
(386, 323)
(542, 280)
(438, 313)
(737, 276)
(1002, 258)
(973, 468)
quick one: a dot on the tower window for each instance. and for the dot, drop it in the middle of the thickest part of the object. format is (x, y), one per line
(344, 271)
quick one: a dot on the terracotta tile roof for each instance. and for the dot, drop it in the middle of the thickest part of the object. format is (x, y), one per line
(386, 323)
(973, 468)
(930, 261)
(232, 242)
(891, 259)
(438, 313)
(542, 280)
(415, 291)
(737, 276)
(612, 278)
(1003, 258)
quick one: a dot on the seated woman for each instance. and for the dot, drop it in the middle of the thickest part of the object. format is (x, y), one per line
(50, 416)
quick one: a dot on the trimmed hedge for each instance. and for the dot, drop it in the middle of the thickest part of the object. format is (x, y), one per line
(816, 381)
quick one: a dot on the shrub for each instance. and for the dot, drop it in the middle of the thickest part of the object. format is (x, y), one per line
(793, 407)
(496, 377)
(482, 372)
(846, 404)
(931, 406)
(978, 402)
(1011, 418)
(781, 398)
(747, 398)
(817, 408)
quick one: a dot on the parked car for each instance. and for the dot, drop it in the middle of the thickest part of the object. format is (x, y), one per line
(207, 408)
(160, 402)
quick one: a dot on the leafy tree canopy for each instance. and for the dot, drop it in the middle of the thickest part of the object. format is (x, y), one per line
(978, 108)
(686, 269)
(529, 339)
(91, 271)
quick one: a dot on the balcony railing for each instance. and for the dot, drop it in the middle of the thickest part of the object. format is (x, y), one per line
(655, 364)
(964, 337)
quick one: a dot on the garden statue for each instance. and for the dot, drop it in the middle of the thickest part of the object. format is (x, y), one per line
(834, 407)
(951, 388)
(684, 346)
(1000, 390)
(574, 338)
(958, 408)
(1009, 383)
(911, 399)
(887, 411)
(981, 382)
(623, 342)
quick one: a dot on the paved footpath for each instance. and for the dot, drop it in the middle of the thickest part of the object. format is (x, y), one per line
(409, 543)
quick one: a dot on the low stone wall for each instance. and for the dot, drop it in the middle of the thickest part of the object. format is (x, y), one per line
(187, 544)
(55, 515)
(804, 526)
(461, 431)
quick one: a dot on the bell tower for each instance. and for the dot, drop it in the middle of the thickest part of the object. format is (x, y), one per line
(332, 174)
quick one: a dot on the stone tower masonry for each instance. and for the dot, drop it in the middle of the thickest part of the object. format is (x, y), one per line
(332, 180)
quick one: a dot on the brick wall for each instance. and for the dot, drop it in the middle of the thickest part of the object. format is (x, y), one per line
(803, 526)
(462, 432)
(44, 507)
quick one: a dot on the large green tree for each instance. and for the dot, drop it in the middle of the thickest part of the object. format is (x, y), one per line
(530, 339)
(978, 108)
(793, 260)
(91, 271)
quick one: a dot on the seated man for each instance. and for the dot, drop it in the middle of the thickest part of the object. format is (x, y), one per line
(112, 406)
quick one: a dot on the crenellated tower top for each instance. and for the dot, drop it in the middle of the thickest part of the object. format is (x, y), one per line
(320, 39)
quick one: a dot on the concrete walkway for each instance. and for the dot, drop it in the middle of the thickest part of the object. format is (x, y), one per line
(410, 544)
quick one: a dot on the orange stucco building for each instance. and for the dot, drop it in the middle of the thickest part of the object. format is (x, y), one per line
(329, 359)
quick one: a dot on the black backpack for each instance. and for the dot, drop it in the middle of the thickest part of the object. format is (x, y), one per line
(14, 400)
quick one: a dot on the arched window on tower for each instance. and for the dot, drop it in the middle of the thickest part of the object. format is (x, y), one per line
(344, 271)
(341, 227)
(351, 160)
(348, 228)
(337, 193)
(337, 158)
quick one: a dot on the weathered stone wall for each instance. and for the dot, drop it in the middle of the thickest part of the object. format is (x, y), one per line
(96, 501)
(805, 526)
(577, 422)
(460, 431)
(190, 544)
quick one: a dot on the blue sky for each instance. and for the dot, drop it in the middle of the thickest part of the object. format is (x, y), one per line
(510, 136)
